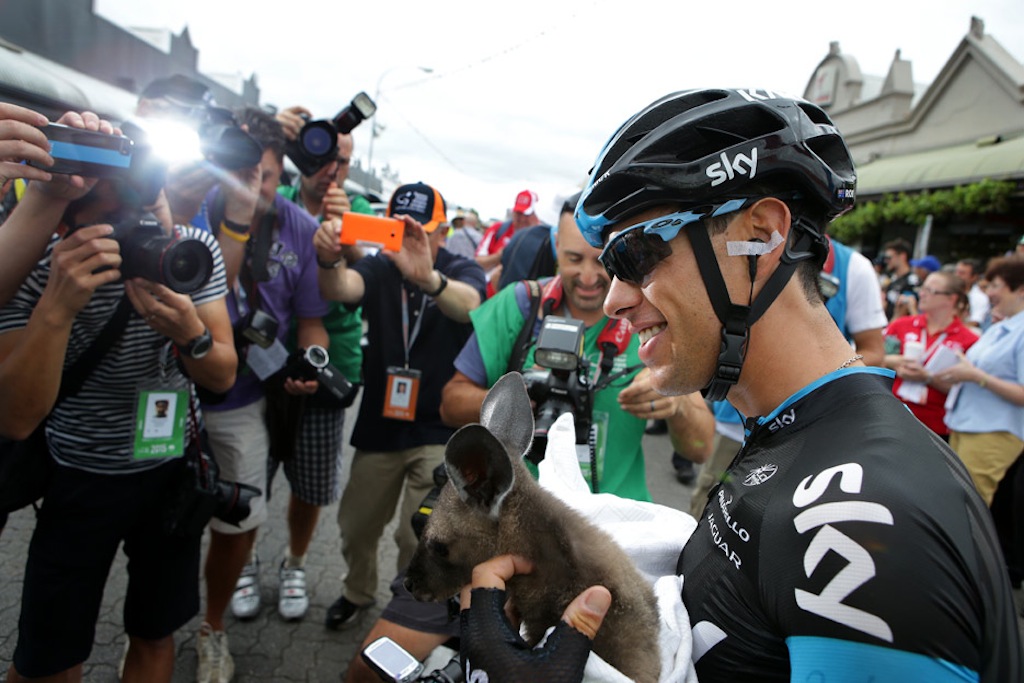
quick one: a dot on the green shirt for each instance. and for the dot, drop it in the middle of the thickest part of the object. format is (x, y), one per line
(344, 325)
(620, 455)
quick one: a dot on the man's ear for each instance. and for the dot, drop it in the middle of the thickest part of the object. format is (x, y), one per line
(766, 217)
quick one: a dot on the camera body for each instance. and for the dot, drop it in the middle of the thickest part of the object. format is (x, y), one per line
(563, 385)
(223, 142)
(317, 142)
(183, 264)
(314, 363)
(76, 151)
(200, 494)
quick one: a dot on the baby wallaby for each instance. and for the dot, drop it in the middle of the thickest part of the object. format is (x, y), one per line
(492, 506)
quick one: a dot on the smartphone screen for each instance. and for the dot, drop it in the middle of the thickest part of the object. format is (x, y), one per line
(387, 657)
(87, 153)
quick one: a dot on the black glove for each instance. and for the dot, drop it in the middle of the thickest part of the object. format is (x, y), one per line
(489, 644)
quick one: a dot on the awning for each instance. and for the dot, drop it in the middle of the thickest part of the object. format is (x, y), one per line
(946, 167)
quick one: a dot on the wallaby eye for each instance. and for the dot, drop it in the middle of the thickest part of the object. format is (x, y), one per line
(438, 548)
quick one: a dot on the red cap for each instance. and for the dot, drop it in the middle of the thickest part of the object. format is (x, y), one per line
(526, 202)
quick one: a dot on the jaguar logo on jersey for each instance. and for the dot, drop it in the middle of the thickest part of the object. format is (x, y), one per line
(760, 475)
(828, 519)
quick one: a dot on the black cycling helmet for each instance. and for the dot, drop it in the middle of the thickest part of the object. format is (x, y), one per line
(695, 147)
(703, 151)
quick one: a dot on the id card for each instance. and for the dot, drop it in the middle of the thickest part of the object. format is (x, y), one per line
(160, 416)
(401, 392)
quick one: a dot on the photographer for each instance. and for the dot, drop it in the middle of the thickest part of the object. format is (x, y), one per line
(107, 485)
(620, 412)
(417, 302)
(313, 467)
(276, 284)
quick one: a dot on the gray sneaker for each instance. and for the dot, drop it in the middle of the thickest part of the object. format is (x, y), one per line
(292, 599)
(215, 662)
(245, 602)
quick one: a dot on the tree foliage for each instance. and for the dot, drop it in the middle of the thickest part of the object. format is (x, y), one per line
(976, 199)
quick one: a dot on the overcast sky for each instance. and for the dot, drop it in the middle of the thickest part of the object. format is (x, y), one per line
(523, 94)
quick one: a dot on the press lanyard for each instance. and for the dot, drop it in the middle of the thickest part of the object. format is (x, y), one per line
(409, 341)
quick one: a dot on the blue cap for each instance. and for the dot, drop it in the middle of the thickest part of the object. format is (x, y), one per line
(929, 263)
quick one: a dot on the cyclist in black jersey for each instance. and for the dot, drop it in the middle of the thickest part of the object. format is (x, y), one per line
(845, 542)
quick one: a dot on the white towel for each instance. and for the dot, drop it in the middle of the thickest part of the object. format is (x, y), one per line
(652, 535)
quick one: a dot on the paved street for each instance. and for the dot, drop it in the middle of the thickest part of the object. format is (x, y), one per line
(266, 648)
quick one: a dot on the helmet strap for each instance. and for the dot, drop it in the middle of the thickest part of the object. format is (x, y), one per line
(737, 319)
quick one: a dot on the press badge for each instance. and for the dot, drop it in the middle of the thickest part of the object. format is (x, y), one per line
(160, 419)
(401, 392)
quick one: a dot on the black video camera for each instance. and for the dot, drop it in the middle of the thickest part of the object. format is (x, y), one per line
(317, 142)
(422, 514)
(314, 362)
(564, 384)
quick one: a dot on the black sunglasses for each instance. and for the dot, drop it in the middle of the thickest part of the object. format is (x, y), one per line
(634, 252)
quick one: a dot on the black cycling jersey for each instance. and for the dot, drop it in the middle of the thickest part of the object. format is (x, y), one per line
(847, 544)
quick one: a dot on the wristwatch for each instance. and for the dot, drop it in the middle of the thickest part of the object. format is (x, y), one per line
(198, 347)
(440, 287)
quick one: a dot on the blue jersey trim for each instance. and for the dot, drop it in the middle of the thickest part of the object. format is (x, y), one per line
(844, 661)
(822, 381)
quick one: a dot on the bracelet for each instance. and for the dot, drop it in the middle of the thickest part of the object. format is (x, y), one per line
(328, 265)
(983, 382)
(229, 229)
(436, 293)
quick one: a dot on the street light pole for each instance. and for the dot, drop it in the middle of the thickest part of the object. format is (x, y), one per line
(376, 99)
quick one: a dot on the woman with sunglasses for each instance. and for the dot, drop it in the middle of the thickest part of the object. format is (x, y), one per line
(986, 422)
(924, 341)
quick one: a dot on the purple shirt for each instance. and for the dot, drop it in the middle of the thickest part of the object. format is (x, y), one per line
(291, 292)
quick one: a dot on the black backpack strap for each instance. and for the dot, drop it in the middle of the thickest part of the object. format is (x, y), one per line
(74, 377)
(515, 361)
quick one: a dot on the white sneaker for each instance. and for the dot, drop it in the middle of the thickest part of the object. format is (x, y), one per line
(245, 602)
(215, 662)
(292, 600)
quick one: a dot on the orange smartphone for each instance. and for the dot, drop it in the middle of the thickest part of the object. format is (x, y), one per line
(372, 231)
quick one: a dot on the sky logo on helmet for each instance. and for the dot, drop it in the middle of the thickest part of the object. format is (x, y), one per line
(727, 169)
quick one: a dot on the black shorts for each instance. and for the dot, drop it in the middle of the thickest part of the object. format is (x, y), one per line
(428, 617)
(83, 519)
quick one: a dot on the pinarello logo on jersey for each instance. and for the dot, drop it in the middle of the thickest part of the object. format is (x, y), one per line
(760, 475)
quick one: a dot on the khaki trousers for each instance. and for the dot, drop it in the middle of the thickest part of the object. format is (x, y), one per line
(377, 481)
(987, 456)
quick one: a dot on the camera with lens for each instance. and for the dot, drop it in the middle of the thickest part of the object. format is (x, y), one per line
(314, 363)
(183, 264)
(317, 142)
(199, 494)
(563, 385)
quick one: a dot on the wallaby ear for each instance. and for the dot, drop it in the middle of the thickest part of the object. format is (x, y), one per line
(507, 413)
(479, 468)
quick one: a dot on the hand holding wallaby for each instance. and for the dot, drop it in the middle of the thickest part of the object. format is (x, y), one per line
(492, 506)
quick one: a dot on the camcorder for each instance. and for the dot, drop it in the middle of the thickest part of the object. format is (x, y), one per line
(317, 142)
(199, 494)
(314, 363)
(563, 385)
(422, 514)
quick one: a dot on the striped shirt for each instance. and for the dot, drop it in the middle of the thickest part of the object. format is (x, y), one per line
(94, 429)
